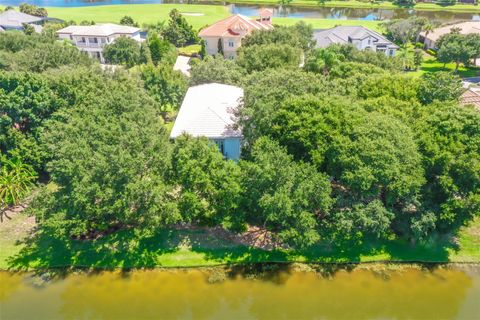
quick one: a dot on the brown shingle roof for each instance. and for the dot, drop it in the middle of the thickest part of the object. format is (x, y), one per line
(235, 25)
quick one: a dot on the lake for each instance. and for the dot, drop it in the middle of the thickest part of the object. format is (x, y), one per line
(292, 12)
(406, 293)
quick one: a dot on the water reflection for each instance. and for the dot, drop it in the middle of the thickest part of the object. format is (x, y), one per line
(358, 294)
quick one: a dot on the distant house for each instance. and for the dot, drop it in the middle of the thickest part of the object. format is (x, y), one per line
(430, 38)
(14, 20)
(471, 97)
(207, 111)
(361, 37)
(226, 35)
(92, 39)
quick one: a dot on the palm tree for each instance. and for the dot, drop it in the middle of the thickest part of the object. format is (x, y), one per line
(16, 180)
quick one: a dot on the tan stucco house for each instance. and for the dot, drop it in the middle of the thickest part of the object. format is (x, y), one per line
(227, 34)
(430, 38)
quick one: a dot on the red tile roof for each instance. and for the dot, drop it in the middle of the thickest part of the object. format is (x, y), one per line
(235, 25)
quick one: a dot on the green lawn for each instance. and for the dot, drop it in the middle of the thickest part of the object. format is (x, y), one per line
(197, 15)
(432, 65)
(198, 247)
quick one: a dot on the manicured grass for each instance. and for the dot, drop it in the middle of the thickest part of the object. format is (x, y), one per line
(197, 15)
(329, 23)
(199, 247)
(189, 50)
(432, 65)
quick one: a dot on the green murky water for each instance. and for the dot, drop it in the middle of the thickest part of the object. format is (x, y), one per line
(155, 294)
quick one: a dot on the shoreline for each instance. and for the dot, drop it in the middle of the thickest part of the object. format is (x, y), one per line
(259, 268)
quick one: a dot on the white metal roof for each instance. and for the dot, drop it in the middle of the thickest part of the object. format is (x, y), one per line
(14, 19)
(106, 29)
(207, 111)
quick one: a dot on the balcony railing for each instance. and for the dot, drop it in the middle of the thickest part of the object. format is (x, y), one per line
(89, 44)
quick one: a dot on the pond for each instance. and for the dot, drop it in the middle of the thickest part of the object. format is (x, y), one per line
(279, 11)
(406, 293)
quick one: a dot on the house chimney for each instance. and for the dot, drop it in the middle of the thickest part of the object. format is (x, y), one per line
(265, 15)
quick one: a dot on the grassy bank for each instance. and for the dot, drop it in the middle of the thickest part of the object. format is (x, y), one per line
(197, 15)
(204, 247)
(468, 8)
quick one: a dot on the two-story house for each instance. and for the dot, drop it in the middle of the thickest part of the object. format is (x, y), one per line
(361, 37)
(92, 39)
(226, 35)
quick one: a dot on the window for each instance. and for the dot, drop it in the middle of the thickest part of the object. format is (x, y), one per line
(221, 145)
(391, 52)
(369, 41)
(231, 44)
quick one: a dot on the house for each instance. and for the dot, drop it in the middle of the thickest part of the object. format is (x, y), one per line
(361, 37)
(471, 97)
(226, 35)
(207, 111)
(430, 38)
(92, 39)
(14, 20)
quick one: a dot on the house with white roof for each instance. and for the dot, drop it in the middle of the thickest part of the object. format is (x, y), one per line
(14, 20)
(208, 111)
(226, 35)
(92, 39)
(361, 37)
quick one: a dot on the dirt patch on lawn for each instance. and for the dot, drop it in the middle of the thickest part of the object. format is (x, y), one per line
(15, 224)
(254, 236)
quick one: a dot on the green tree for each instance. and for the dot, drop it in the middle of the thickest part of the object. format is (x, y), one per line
(16, 180)
(323, 60)
(159, 49)
(454, 47)
(124, 51)
(417, 58)
(440, 86)
(28, 29)
(449, 140)
(128, 21)
(299, 36)
(165, 85)
(216, 69)
(260, 57)
(27, 103)
(220, 47)
(379, 159)
(473, 42)
(33, 10)
(203, 49)
(178, 31)
(110, 158)
(210, 186)
(284, 196)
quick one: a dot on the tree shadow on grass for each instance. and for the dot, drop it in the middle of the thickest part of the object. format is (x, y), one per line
(128, 249)
(122, 249)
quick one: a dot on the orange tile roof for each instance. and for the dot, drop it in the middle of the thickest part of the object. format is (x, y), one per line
(471, 97)
(236, 25)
